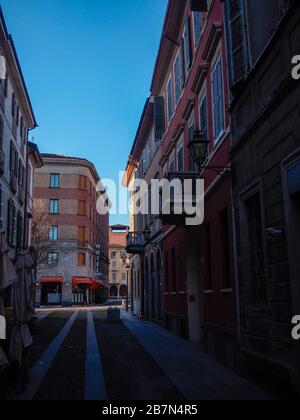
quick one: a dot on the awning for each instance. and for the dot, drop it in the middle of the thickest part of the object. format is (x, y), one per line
(52, 280)
(95, 286)
(83, 281)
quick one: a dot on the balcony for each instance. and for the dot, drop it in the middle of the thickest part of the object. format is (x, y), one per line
(135, 243)
(13, 181)
(2, 162)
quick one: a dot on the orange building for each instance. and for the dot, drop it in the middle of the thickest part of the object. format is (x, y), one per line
(74, 264)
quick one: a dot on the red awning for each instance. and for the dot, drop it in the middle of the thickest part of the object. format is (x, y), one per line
(52, 280)
(95, 286)
(82, 280)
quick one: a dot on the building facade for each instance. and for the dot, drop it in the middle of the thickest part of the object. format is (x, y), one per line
(16, 119)
(73, 268)
(263, 37)
(146, 259)
(189, 94)
(119, 281)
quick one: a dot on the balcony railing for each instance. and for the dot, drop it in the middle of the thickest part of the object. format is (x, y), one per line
(2, 162)
(135, 243)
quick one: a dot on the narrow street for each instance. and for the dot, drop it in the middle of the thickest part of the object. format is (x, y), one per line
(78, 355)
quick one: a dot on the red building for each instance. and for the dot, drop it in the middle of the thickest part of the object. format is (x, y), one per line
(190, 93)
(191, 75)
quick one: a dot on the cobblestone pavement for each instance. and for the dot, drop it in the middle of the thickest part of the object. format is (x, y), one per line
(78, 355)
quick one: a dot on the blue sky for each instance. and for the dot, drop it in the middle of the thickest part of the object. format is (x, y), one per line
(88, 66)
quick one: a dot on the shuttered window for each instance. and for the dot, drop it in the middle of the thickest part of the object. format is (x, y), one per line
(11, 223)
(177, 79)
(180, 157)
(197, 26)
(81, 235)
(81, 259)
(170, 100)
(82, 182)
(82, 208)
(237, 40)
(203, 115)
(159, 117)
(13, 163)
(218, 100)
(19, 230)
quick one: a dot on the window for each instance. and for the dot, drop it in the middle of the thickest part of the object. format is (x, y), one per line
(170, 100)
(113, 255)
(218, 100)
(82, 208)
(203, 115)
(81, 235)
(180, 157)
(172, 164)
(11, 223)
(177, 81)
(14, 159)
(19, 238)
(82, 182)
(54, 206)
(81, 259)
(124, 276)
(54, 181)
(186, 50)
(225, 236)
(21, 178)
(114, 277)
(52, 258)
(197, 26)
(53, 233)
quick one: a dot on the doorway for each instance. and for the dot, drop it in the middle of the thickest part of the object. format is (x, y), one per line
(51, 294)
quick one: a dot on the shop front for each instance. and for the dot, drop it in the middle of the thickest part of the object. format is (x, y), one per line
(51, 291)
(85, 290)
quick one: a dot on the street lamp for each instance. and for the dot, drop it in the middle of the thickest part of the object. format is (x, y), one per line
(199, 148)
